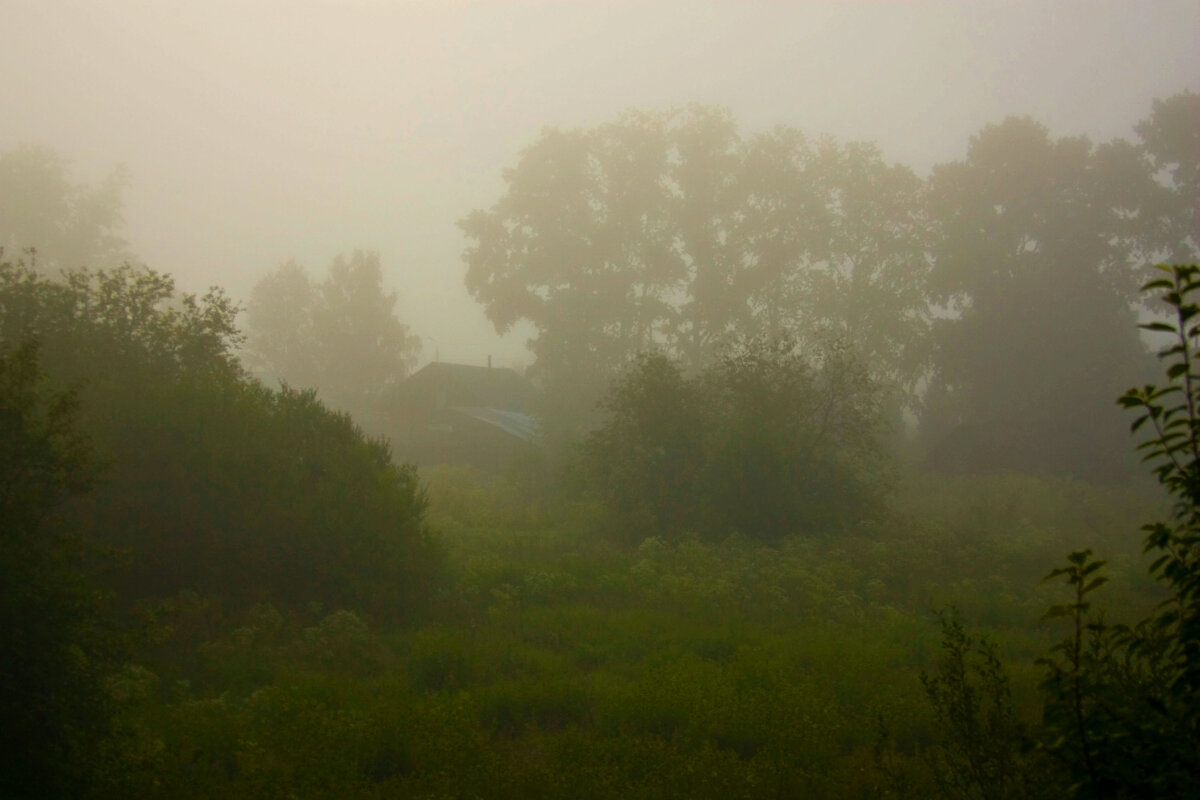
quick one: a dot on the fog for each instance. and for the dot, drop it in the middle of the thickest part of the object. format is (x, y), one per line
(258, 132)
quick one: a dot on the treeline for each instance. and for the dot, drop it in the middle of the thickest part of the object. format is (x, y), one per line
(751, 314)
(997, 295)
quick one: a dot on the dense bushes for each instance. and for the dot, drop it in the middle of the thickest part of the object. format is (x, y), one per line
(766, 442)
(213, 482)
(56, 646)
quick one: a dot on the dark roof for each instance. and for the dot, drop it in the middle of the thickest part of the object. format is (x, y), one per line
(492, 387)
(468, 386)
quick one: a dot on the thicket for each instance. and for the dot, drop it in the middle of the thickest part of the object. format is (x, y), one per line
(1120, 701)
(57, 646)
(213, 482)
(767, 442)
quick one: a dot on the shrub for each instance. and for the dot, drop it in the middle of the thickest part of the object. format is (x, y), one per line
(767, 442)
(216, 483)
(1121, 700)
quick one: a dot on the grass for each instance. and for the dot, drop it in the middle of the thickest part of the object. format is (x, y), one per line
(558, 664)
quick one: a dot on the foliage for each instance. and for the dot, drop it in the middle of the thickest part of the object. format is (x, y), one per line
(58, 645)
(340, 337)
(645, 461)
(559, 664)
(795, 441)
(217, 483)
(1169, 139)
(764, 443)
(68, 225)
(982, 741)
(1038, 246)
(670, 231)
(1121, 700)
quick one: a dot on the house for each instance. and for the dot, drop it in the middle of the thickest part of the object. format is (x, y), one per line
(461, 414)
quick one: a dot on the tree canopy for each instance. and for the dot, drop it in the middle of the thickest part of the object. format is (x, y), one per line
(216, 483)
(995, 294)
(669, 230)
(69, 225)
(340, 337)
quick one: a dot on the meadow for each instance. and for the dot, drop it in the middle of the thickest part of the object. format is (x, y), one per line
(556, 663)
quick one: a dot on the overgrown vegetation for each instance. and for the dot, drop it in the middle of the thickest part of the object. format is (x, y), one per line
(212, 587)
(1122, 699)
(769, 441)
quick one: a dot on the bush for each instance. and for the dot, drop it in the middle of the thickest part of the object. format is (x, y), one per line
(767, 442)
(58, 644)
(1121, 700)
(216, 483)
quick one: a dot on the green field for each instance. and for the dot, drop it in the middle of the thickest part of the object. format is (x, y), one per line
(558, 665)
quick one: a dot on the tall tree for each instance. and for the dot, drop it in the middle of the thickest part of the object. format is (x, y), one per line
(834, 241)
(340, 336)
(69, 225)
(279, 319)
(1170, 138)
(669, 231)
(1038, 244)
(581, 245)
(709, 199)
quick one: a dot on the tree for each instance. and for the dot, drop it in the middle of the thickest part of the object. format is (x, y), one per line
(835, 242)
(57, 647)
(1121, 700)
(645, 460)
(767, 442)
(1037, 246)
(793, 440)
(669, 231)
(217, 483)
(581, 246)
(68, 225)
(279, 318)
(1170, 138)
(340, 337)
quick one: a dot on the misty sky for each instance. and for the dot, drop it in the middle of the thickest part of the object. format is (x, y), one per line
(258, 131)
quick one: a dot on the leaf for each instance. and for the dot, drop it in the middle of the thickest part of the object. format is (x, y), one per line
(1079, 556)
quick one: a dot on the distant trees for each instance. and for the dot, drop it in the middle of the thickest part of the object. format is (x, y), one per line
(1038, 245)
(1170, 140)
(216, 483)
(340, 336)
(670, 231)
(69, 225)
(994, 295)
(767, 442)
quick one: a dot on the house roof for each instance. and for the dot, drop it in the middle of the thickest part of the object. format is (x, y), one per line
(488, 387)
(495, 396)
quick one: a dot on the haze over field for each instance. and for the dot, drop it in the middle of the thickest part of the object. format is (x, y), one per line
(257, 132)
(831, 318)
